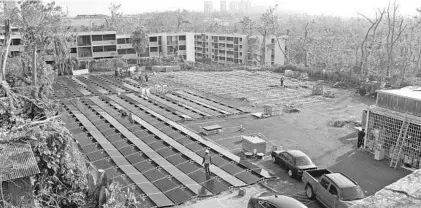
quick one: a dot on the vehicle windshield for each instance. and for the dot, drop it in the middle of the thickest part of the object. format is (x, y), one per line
(353, 193)
(302, 161)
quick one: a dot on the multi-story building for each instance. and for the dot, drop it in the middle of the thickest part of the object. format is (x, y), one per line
(223, 6)
(16, 46)
(274, 50)
(234, 6)
(236, 49)
(165, 44)
(208, 7)
(221, 48)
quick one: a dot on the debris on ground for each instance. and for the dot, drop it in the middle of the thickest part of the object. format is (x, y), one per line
(290, 109)
(342, 85)
(340, 124)
(328, 94)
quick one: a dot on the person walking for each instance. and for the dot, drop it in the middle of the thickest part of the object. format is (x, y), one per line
(146, 77)
(207, 160)
(282, 81)
(361, 135)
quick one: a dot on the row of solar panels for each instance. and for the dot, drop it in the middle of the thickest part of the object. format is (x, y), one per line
(98, 127)
(185, 104)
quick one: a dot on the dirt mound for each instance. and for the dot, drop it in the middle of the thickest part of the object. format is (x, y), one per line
(340, 124)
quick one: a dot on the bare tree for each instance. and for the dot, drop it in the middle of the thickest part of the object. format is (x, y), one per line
(395, 28)
(366, 50)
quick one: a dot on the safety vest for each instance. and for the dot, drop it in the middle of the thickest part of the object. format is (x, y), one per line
(207, 159)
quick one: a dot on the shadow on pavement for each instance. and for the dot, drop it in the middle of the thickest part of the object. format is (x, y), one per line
(370, 174)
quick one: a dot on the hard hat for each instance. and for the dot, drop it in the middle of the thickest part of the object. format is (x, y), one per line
(207, 151)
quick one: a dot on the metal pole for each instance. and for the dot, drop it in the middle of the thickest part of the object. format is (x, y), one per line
(366, 128)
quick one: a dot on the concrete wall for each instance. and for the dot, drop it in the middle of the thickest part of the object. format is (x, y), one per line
(405, 193)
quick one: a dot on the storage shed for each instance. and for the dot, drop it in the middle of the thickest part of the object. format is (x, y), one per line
(385, 119)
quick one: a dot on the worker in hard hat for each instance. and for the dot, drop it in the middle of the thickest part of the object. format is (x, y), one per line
(207, 160)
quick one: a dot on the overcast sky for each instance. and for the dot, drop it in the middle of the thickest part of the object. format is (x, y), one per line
(344, 8)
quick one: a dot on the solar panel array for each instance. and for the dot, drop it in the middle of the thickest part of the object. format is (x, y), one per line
(159, 159)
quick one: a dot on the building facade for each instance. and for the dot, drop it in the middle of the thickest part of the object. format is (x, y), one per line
(237, 49)
(223, 6)
(206, 47)
(393, 125)
(166, 44)
(208, 7)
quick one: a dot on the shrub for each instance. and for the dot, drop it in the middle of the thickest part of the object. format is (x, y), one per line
(102, 65)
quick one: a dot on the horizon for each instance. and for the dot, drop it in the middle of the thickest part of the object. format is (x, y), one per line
(340, 8)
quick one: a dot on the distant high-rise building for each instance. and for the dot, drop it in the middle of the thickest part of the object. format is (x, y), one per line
(244, 6)
(234, 6)
(223, 6)
(208, 6)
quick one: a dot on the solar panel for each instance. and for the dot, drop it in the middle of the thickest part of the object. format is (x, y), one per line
(176, 159)
(248, 177)
(154, 175)
(178, 195)
(164, 185)
(232, 168)
(104, 164)
(144, 166)
(195, 147)
(91, 148)
(167, 152)
(158, 145)
(136, 158)
(128, 150)
(94, 156)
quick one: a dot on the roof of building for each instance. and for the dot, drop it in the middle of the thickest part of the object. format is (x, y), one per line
(17, 161)
(412, 92)
(296, 153)
(341, 180)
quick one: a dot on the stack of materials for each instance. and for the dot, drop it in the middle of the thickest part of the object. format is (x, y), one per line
(165, 68)
(272, 110)
(253, 144)
(318, 88)
(293, 74)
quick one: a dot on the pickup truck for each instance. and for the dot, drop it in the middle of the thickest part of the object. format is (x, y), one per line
(334, 190)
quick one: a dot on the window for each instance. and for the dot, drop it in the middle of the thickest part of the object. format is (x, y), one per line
(324, 183)
(109, 37)
(153, 39)
(302, 161)
(182, 37)
(98, 49)
(85, 52)
(96, 37)
(84, 40)
(182, 47)
(121, 51)
(121, 41)
(73, 50)
(15, 42)
(131, 51)
(110, 48)
(128, 41)
(154, 49)
(333, 190)
(267, 205)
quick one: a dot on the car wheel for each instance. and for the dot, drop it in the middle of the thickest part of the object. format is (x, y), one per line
(273, 159)
(290, 173)
(309, 191)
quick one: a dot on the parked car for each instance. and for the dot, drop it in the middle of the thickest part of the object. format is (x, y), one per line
(272, 200)
(334, 190)
(294, 162)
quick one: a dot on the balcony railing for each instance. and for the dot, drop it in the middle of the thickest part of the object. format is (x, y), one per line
(104, 54)
(104, 42)
(124, 46)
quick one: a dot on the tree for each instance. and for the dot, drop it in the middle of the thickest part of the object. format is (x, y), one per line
(113, 22)
(38, 23)
(139, 41)
(247, 25)
(5, 51)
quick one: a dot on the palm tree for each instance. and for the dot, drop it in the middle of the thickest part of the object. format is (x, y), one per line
(139, 41)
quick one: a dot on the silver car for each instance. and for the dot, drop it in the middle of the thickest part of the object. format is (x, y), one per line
(272, 200)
